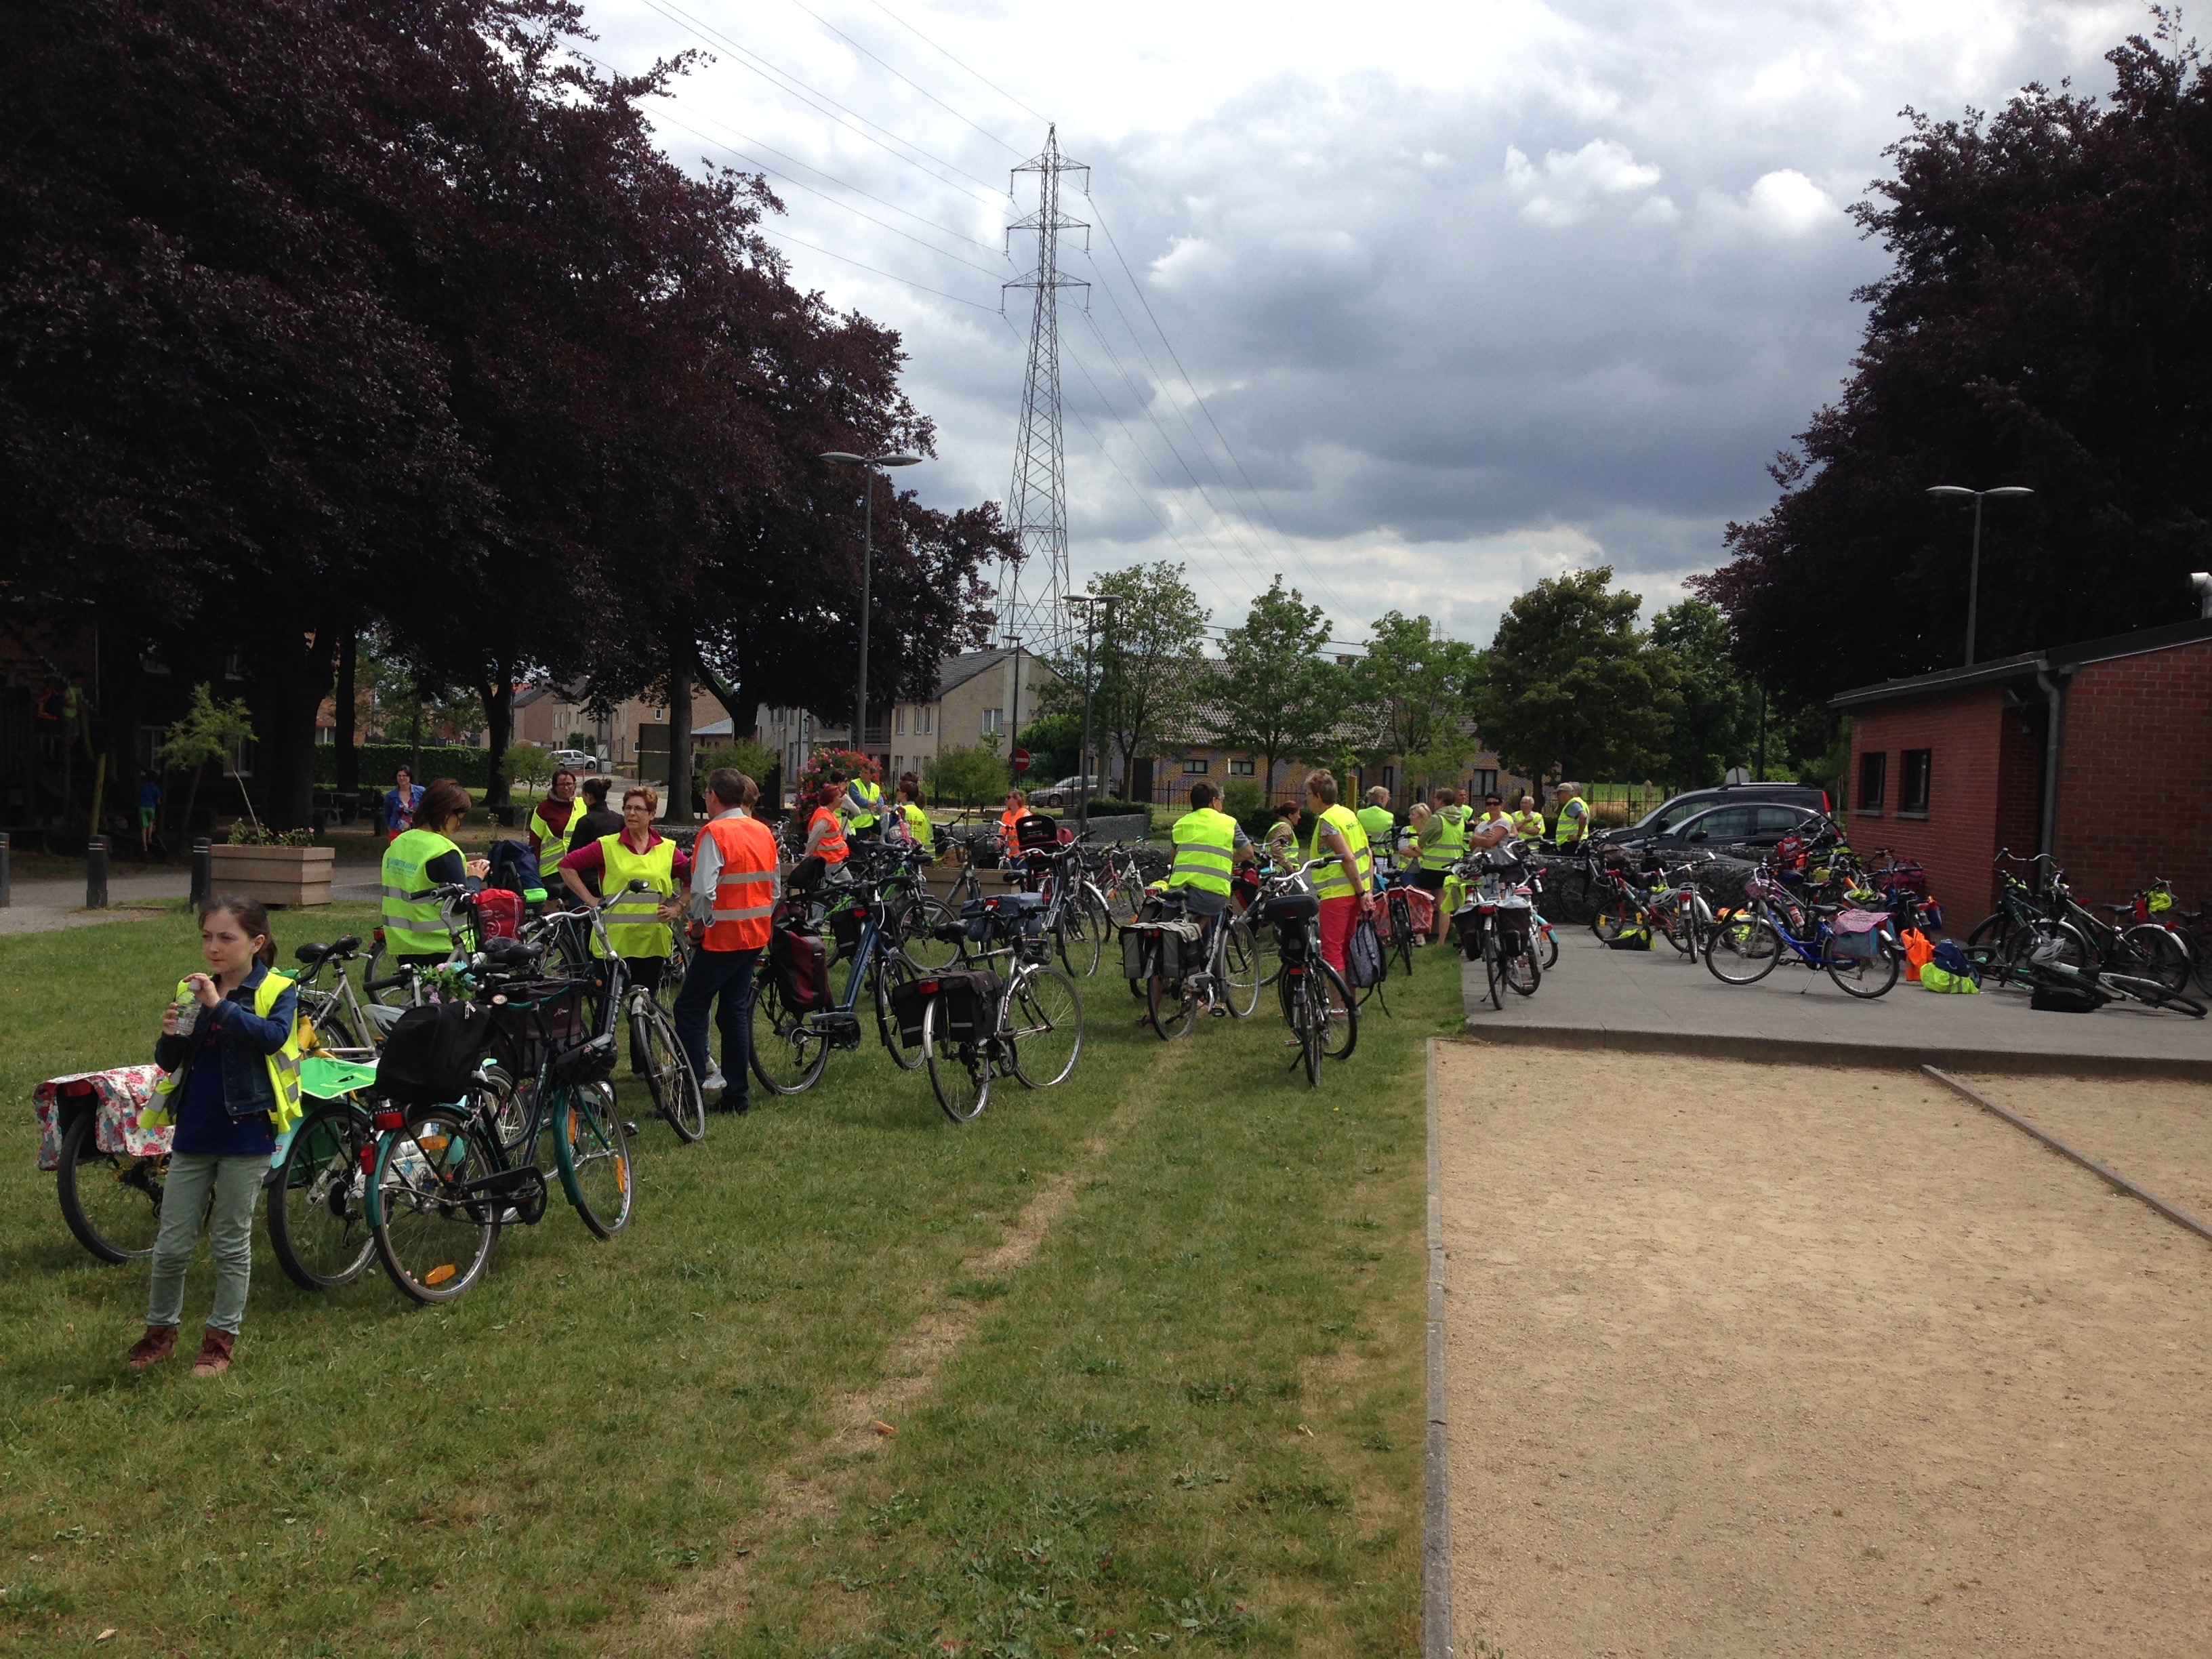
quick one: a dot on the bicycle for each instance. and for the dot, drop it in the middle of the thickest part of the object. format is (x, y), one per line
(339, 1013)
(1317, 1005)
(1227, 980)
(317, 1180)
(971, 1024)
(2027, 914)
(2043, 968)
(1498, 925)
(791, 1045)
(1745, 945)
(656, 1053)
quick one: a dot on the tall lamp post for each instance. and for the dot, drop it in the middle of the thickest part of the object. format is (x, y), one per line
(1974, 573)
(868, 464)
(1089, 604)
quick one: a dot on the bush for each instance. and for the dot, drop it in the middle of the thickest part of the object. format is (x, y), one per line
(523, 762)
(1104, 807)
(755, 760)
(1242, 797)
(966, 777)
(471, 768)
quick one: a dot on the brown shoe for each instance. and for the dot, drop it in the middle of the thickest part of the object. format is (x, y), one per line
(151, 1349)
(215, 1354)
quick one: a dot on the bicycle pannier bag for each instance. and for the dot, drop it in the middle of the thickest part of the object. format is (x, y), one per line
(1365, 964)
(499, 914)
(802, 969)
(1853, 933)
(432, 1053)
(967, 1000)
(2060, 999)
(1512, 923)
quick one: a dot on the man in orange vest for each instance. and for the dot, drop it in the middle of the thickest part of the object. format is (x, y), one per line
(733, 890)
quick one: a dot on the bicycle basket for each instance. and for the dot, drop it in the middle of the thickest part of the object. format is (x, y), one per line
(433, 1053)
(589, 1061)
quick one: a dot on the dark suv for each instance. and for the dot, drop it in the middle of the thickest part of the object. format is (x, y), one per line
(1758, 813)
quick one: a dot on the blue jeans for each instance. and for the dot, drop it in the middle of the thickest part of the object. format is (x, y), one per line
(727, 975)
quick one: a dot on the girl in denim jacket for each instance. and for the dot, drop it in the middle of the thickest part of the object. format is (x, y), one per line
(231, 1083)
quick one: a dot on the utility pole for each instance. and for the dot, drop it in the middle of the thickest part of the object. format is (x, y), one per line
(1089, 604)
(1037, 501)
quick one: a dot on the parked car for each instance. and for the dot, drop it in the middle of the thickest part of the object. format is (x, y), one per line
(1738, 824)
(1066, 792)
(576, 759)
(1673, 814)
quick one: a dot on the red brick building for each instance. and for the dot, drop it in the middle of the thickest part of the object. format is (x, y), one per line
(2099, 753)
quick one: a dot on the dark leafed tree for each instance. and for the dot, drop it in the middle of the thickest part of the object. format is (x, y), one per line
(1148, 677)
(1570, 686)
(2046, 321)
(1280, 697)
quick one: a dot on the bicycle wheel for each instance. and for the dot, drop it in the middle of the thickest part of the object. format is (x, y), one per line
(1040, 1022)
(592, 1148)
(1865, 978)
(787, 1055)
(1680, 928)
(1518, 969)
(1239, 967)
(918, 923)
(2159, 957)
(667, 1071)
(1493, 968)
(111, 1201)
(889, 973)
(317, 1212)
(2151, 993)
(2200, 961)
(1266, 951)
(1743, 948)
(433, 1233)
(1551, 945)
(1302, 1001)
(959, 1068)
(1402, 932)
(1173, 1004)
(1341, 1023)
(1078, 943)
(1124, 899)
(1614, 918)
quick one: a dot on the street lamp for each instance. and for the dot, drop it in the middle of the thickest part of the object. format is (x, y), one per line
(867, 557)
(1974, 576)
(1089, 604)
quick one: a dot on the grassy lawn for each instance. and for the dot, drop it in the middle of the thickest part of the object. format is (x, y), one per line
(1150, 1344)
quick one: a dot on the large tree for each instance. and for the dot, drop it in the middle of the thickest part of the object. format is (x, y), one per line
(1410, 693)
(1149, 679)
(1571, 686)
(1279, 697)
(1717, 727)
(2046, 321)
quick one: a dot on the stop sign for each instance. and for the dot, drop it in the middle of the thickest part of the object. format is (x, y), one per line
(1021, 760)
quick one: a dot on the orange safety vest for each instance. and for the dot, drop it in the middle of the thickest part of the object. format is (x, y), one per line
(744, 887)
(833, 849)
(1009, 818)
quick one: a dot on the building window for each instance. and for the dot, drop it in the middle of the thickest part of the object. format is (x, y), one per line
(993, 719)
(1912, 795)
(1873, 780)
(1192, 768)
(1486, 780)
(1238, 768)
(928, 718)
(898, 720)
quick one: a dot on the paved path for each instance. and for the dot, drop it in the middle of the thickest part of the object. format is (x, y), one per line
(1662, 1001)
(43, 905)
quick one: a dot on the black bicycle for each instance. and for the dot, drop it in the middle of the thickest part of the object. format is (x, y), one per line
(1317, 1005)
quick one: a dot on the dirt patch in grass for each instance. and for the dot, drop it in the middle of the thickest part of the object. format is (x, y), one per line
(1780, 1359)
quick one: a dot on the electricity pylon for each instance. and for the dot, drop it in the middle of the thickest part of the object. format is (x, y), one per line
(1030, 589)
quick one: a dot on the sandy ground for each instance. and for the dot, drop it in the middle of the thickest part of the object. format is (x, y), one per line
(1777, 1360)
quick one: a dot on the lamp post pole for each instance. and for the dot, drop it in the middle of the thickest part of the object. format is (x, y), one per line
(1974, 569)
(1090, 603)
(868, 464)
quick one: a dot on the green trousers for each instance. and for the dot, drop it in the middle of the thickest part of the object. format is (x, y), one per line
(235, 1184)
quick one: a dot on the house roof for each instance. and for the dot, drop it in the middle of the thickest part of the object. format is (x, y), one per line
(2059, 660)
(956, 672)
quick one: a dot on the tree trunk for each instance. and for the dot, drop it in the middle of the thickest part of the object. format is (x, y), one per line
(291, 677)
(347, 774)
(414, 731)
(498, 696)
(729, 694)
(679, 737)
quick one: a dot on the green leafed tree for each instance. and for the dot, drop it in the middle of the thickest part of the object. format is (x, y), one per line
(965, 777)
(1410, 695)
(1717, 727)
(1571, 686)
(1279, 697)
(526, 763)
(1149, 678)
(209, 735)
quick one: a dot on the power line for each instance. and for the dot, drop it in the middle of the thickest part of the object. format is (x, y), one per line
(949, 58)
(785, 82)
(877, 270)
(909, 79)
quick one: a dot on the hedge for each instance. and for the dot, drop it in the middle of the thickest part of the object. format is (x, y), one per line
(375, 762)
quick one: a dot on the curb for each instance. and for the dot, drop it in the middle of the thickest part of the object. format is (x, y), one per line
(1436, 1514)
(1799, 1051)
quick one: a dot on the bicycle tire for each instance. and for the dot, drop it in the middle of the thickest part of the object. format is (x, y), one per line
(1346, 1023)
(1550, 944)
(2200, 959)
(2149, 992)
(1173, 1005)
(1743, 949)
(1077, 944)
(959, 1071)
(591, 1147)
(890, 972)
(1402, 932)
(917, 941)
(1125, 900)
(1860, 980)
(111, 1201)
(2164, 961)
(1308, 1020)
(787, 1057)
(1682, 929)
(1611, 919)
(1267, 952)
(668, 1078)
(1521, 971)
(433, 1243)
(1493, 970)
(1040, 1022)
(318, 1213)
(1239, 974)
(394, 992)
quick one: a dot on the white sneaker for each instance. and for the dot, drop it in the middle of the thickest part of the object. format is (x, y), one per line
(714, 1080)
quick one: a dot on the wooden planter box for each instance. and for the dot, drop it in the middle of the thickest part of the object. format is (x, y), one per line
(292, 877)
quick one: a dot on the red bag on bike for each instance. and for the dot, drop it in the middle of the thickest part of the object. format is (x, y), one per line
(802, 969)
(499, 914)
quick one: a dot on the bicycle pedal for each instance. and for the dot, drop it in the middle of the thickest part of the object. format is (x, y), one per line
(628, 1129)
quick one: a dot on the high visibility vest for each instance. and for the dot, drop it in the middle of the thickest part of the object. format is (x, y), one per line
(1574, 821)
(1009, 818)
(917, 824)
(1205, 851)
(1329, 880)
(552, 844)
(1529, 825)
(284, 1065)
(744, 887)
(412, 923)
(833, 849)
(1448, 845)
(1378, 823)
(632, 930)
(872, 795)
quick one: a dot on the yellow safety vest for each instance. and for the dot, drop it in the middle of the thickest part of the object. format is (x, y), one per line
(284, 1065)
(917, 824)
(412, 923)
(1574, 821)
(1450, 844)
(1205, 851)
(1329, 880)
(1376, 822)
(1529, 825)
(872, 794)
(632, 929)
(552, 844)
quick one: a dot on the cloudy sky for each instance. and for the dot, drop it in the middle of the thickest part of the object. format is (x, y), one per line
(1413, 304)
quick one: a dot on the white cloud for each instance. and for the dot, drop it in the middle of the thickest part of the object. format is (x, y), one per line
(1790, 203)
(1559, 192)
